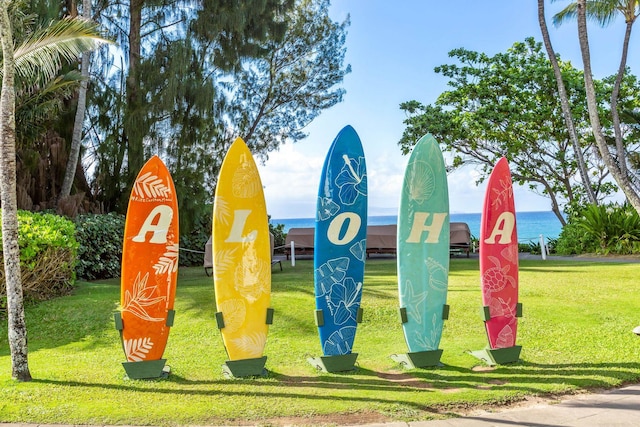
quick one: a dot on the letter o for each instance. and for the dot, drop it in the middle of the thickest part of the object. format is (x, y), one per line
(333, 233)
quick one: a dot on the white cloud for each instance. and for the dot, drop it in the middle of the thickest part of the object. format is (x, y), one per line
(290, 179)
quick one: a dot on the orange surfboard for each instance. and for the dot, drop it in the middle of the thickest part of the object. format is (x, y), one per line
(149, 270)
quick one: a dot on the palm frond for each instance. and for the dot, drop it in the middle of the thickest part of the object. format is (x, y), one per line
(43, 53)
(601, 11)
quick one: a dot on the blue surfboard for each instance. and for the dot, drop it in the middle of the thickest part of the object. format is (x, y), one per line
(423, 254)
(340, 250)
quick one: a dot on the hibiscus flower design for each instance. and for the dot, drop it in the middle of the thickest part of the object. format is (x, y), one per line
(352, 180)
(344, 298)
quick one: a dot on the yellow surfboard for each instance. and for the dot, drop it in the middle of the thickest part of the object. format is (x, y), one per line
(241, 262)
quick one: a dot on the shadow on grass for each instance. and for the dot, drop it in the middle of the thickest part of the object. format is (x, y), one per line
(521, 377)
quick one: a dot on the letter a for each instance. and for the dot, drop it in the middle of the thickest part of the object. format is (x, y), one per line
(419, 225)
(160, 228)
(503, 228)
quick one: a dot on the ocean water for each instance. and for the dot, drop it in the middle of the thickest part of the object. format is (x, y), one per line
(530, 225)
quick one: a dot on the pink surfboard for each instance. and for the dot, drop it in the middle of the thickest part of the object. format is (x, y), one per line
(499, 266)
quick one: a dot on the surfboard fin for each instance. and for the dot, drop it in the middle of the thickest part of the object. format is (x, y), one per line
(402, 312)
(519, 309)
(220, 320)
(269, 319)
(117, 318)
(486, 313)
(359, 315)
(171, 316)
(319, 318)
(445, 312)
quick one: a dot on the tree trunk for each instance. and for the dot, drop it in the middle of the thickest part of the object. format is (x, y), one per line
(564, 103)
(76, 139)
(17, 328)
(133, 124)
(622, 158)
(622, 180)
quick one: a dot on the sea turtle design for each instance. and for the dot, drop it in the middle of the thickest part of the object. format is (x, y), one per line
(496, 278)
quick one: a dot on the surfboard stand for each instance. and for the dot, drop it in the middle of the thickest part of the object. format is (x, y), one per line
(245, 368)
(419, 359)
(337, 363)
(498, 356)
(146, 369)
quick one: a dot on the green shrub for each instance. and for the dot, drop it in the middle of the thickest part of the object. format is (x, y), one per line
(100, 252)
(192, 243)
(48, 252)
(279, 236)
(602, 229)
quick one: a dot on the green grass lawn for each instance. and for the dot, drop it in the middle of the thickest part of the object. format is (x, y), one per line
(575, 334)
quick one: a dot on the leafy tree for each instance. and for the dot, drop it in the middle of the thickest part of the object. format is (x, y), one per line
(507, 105)
(273, 98)
(40, 54)
(215, 72)
(157, 94)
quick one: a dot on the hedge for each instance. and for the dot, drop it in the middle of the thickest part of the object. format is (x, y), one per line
(48, 253)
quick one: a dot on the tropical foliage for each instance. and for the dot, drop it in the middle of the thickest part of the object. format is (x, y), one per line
(602, 229)
(48, 252)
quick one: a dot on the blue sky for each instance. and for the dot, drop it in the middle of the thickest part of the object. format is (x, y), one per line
(393, 48)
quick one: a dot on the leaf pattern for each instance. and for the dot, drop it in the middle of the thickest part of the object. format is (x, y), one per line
(169, 261)
(352, 180)
(252, 344)
(331, 272)
(245, 180)
(359, 250)
(326, 208)
(502, 195)
(137, 349)
(136, 302)
(225, 259)
(150, 186)
(340, 342)
(234, 313)
(221, 210)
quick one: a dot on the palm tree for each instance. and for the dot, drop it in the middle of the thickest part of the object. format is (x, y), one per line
(76, 139)
(604, 12)
(564, 103)
(42, 53)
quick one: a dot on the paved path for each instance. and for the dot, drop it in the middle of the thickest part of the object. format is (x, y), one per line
(619, 407)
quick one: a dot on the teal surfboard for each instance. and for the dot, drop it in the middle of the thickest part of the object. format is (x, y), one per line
(340, 250)
(423, 254)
